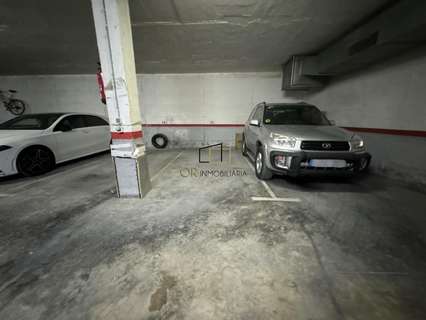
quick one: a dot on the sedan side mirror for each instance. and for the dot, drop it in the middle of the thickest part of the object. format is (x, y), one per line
(332, 122)
(255, 123)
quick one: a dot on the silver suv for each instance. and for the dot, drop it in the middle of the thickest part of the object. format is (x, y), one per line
(297, 139)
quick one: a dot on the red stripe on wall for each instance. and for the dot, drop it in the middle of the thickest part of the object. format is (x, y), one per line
(126, 135)
(396, 132)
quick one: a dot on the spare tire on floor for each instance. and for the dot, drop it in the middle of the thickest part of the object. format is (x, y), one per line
(160, 141)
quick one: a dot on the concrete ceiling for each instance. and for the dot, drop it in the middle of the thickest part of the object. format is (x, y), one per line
(175, 36)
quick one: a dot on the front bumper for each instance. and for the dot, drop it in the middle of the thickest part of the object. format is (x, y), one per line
(299, 160)
(7, 162)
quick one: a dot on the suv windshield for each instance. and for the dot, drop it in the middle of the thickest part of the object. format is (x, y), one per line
(31, 122)
(294, 115)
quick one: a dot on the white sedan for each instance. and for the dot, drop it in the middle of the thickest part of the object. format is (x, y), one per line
(33, 144)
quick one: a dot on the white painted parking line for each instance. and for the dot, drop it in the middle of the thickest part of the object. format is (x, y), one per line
(275, 199)
(268, 189)
(165, 167)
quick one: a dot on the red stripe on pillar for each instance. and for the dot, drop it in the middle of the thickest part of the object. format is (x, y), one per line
(126, 135)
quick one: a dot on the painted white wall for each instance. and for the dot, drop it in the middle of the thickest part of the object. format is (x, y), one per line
(391, 95)
(170, 98)
(206, 98)
(68, 93)
(221, 98)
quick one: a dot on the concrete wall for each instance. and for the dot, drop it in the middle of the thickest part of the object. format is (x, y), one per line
(68, 93)
(205, 99)
(391, 95)
(165, 99)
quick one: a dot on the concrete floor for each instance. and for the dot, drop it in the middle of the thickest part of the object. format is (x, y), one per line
(200, 248)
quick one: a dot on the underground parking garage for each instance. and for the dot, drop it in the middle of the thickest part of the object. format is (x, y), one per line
(184, 159)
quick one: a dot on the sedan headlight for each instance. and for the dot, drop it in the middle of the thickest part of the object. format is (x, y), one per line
(2, 148)
(357, 143)
(282, 140)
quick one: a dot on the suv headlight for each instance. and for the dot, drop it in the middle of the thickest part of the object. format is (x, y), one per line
(2, 148)
(282, 140)
(357, 144)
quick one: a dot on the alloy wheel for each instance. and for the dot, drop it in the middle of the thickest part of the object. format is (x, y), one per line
(259, 162)
(35, 161)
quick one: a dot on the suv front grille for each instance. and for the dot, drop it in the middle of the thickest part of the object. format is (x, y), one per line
(325, 145)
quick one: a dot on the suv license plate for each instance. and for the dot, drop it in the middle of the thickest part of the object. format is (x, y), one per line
(327, 163)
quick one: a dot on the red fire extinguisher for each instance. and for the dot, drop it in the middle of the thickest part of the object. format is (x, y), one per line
(101, 84)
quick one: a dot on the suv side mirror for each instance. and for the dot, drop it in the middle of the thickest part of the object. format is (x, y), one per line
(255, 123)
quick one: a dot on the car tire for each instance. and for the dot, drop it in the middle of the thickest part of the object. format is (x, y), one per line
(160, 141)
(244, 147)
(35, 161)
(262, 172)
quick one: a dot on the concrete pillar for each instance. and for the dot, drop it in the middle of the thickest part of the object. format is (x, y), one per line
(115, 44)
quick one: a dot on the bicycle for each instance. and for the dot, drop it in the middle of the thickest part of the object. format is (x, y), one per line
(14, 106)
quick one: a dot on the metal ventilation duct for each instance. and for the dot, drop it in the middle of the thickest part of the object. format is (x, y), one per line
(295, 77)
(399, 28)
